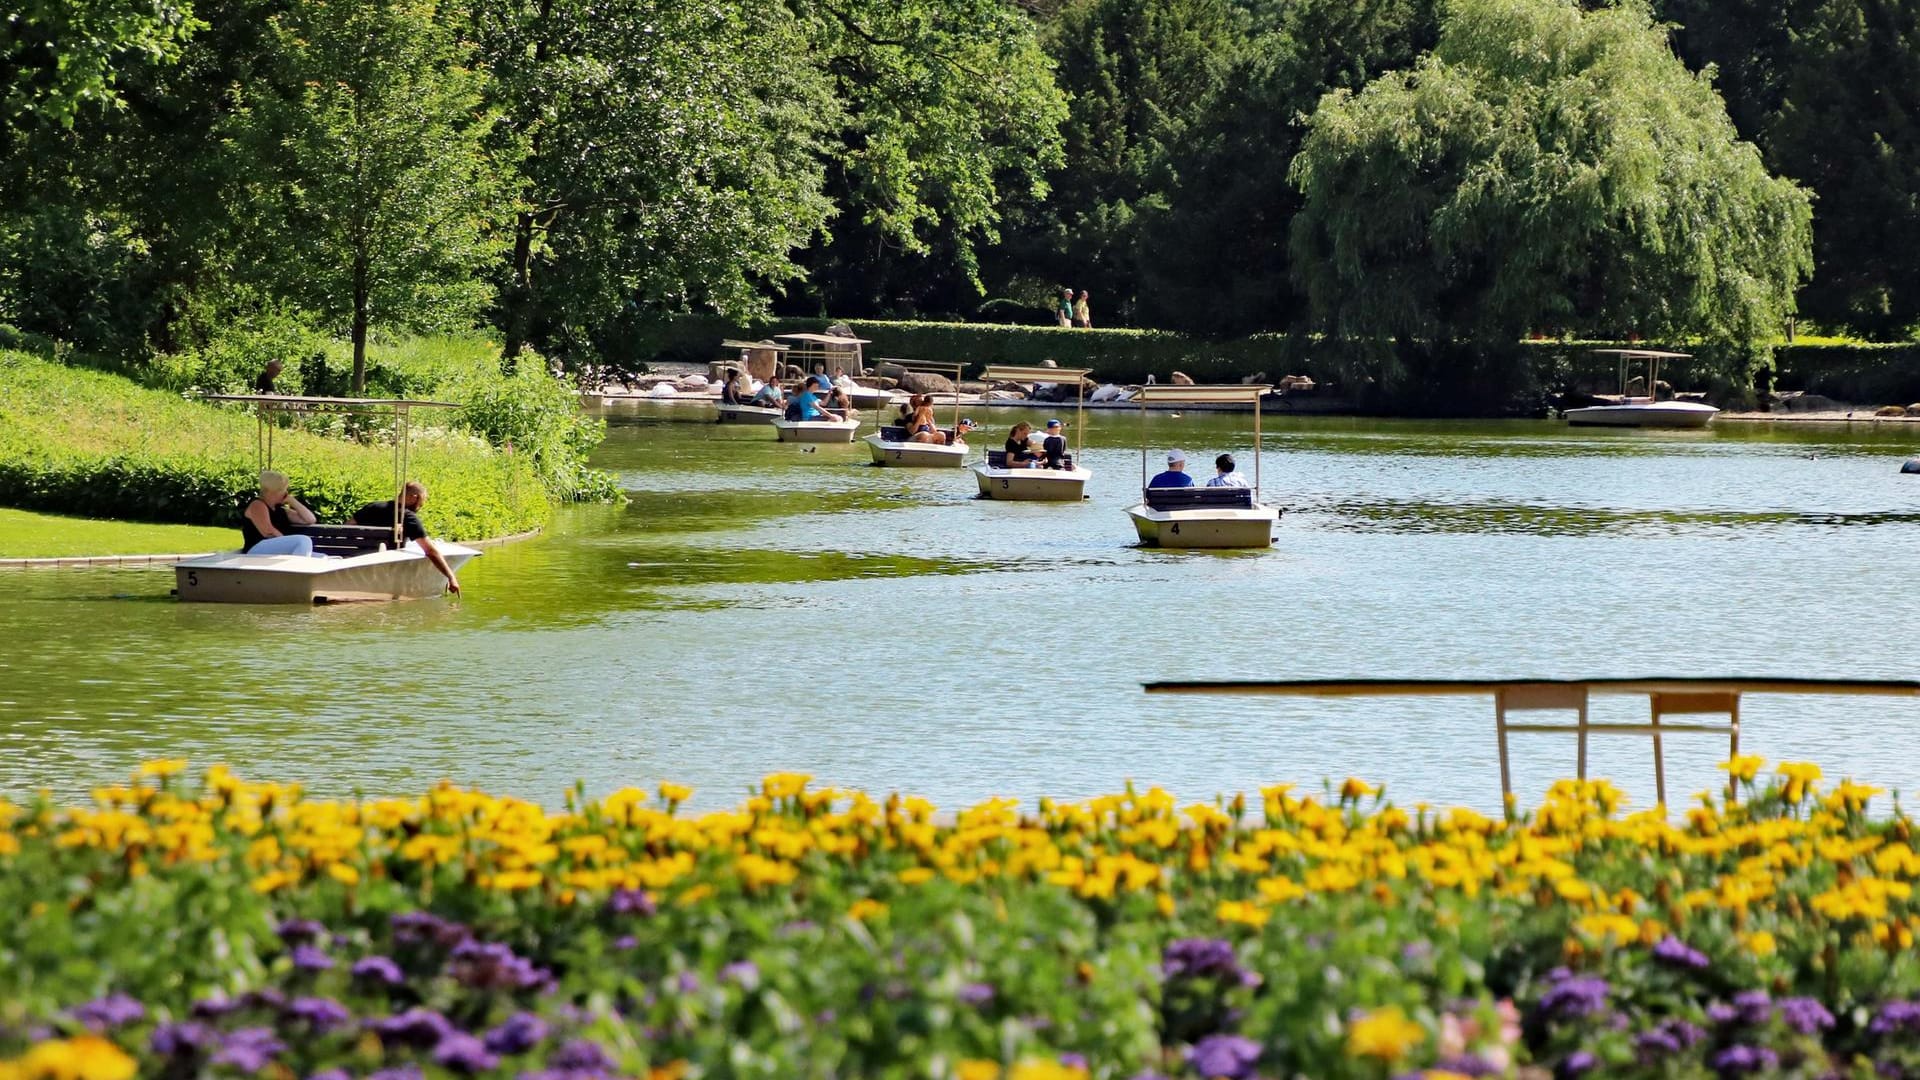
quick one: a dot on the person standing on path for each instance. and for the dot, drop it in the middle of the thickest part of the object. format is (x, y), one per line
(1082, 314)
(1064, 312)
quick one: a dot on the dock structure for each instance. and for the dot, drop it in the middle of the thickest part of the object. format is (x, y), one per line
(1666, 697)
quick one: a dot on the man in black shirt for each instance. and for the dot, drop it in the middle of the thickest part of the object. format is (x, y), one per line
(412, 496)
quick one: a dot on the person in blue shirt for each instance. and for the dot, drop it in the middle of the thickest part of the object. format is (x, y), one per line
(1176, 474)
(806, 404)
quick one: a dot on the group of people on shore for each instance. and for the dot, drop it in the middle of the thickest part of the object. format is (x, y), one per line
(1072, 312)
(1176, 475)
(269, 523)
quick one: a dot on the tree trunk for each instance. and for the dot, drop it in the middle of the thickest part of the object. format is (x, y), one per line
(359, 325)
(519, 294)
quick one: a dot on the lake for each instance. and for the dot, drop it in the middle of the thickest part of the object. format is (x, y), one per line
(757, 608)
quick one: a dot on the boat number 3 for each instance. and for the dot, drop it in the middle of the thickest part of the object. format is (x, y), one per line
(1005, 483)
(193, 578)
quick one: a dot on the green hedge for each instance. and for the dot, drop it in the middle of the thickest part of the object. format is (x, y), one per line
(1858, 374)
(87, 442)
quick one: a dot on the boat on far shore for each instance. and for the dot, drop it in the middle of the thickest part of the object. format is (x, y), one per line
(1642, 412)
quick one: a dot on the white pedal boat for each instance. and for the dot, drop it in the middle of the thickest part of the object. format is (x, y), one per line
(890, 446)
(815, 431)
(1643, 413)
(1203, 517)
(236, 578)
(1029, 485)
(747, 414)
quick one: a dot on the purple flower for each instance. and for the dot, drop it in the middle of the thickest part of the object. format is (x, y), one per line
(1738, 1060)
(1073, 1061)
(311, 958)
(1805, 1015)
(1669, 1038)
(426, 928)
(1574, 997)
(397, 1072)
(1896, 1016)
(1578, 1063)
(462, 1052)
(216, 1006)
(625, 942)
(1722, 1013)
(322, 1013)
(104, 1014)
(1676, 953)
(249, 1049)
(179, 1038)
(977, 993)
(1198, 958)
(1468, 1065)
(1755, 1006)
(688, 982)
(798, 926)
(1231, 1056)
(331, 1074)
(269, 998)
(417, 1027)
(378, 968)
(518, 1034)
(300, 931)
(493, 966)
(581, 1055)
(631, 902)
(744, 972)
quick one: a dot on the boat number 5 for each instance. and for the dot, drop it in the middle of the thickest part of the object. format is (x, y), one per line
(193, 578)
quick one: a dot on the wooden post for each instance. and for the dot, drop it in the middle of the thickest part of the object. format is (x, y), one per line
(1583, 737)
(1500, 731)
(1733, 748)
(1659, 760)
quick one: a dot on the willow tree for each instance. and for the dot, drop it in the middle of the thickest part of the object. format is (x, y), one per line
(1544, 167)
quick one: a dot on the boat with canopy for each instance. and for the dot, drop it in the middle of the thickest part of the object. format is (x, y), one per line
(350, 562)
(1645, 411)
(1066, 484)
(1202, 517)
(893, 444)
(738, 412)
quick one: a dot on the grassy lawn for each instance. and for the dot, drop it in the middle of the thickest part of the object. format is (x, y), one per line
(26, 534)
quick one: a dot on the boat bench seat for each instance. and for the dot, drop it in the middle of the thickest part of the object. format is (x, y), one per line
(1199, 498)
(347, 541)
(896, 433)
(997, 459)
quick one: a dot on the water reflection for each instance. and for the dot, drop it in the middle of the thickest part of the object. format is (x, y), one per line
(756, 608)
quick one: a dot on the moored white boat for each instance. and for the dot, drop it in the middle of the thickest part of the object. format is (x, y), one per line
(1202, 517)
(1638, 413)
(868, 398)
(1642, 412)
(236, 578)
(815, 431)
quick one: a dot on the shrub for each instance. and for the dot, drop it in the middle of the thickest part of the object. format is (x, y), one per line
(85, 442)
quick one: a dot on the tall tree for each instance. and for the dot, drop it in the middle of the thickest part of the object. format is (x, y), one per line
(58, 57)
(367, 187)
(667, 155)
(1543, 167)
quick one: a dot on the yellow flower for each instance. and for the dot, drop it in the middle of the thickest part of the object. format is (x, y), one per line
(866, 908)
(1760, 943)
(1240, 911)
(672, 1070)
(1744, 767)
(162, 768)
(917, 875)
(675, 793)
(344, 874)
(1163, 903)
(1621, 928)
(1044, 1069)
(84, 1057)
(1355, 788)
(1385, 1034)
(785, 785)
(1800, 775)
(977, 1069)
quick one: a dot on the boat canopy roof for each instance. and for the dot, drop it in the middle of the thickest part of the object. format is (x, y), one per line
(824, 339)
(1017, 373)
(1228, 394)
(729, 343)
(930, 366)
(297, 401)
(1643, 354)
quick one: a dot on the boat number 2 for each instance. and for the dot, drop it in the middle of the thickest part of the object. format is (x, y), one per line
(193, 578)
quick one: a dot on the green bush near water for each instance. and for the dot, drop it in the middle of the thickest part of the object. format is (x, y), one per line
(92, 443)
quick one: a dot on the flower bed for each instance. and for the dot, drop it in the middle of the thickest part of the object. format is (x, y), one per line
(175, 929)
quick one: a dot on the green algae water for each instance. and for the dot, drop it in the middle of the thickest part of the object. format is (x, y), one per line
(756, 607)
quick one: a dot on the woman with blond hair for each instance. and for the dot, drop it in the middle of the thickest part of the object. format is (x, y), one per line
(268, 521)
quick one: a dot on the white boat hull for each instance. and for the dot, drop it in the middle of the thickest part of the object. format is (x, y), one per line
(1660, 414)
(748, 414)
(871, 399)
(234, 578)
(1206, 527)
(816, 431)
(1032, 485)
(913, 455)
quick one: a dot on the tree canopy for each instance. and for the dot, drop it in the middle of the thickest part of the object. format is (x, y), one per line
(1544, 167)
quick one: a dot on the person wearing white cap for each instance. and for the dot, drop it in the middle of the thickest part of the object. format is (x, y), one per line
(1176, 474)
